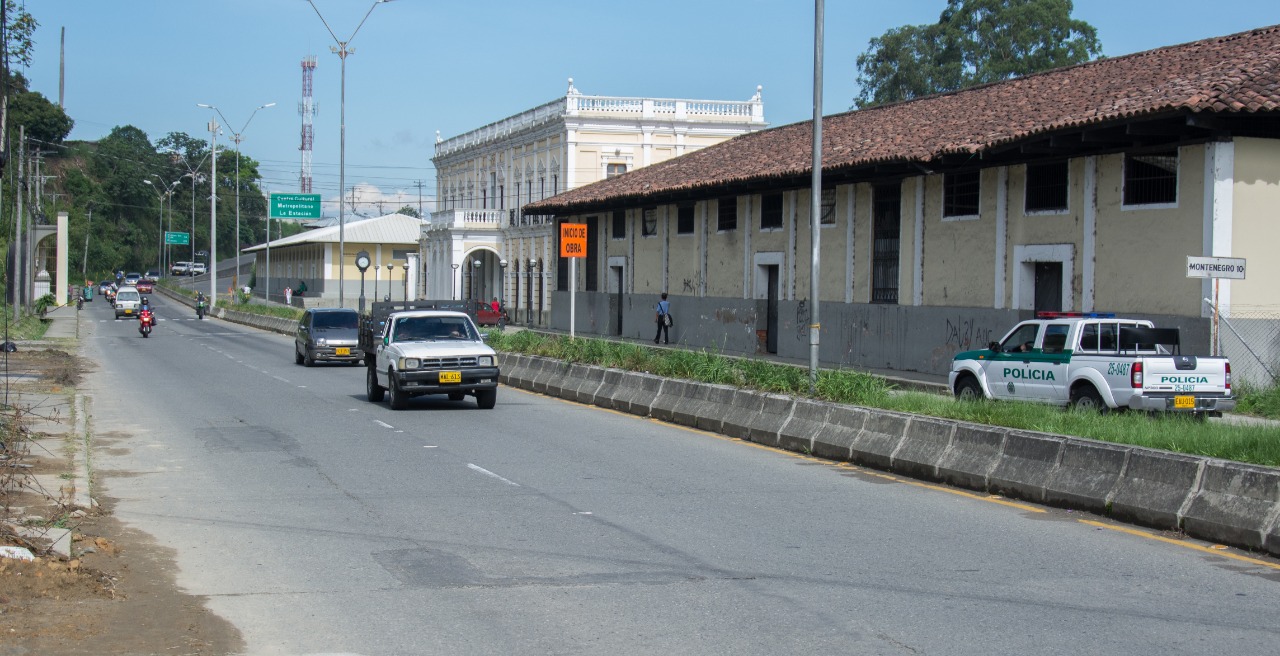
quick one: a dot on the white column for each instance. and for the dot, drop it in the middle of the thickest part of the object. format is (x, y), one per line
(1219, 177)
(917, 277)
(1000, 277)
(570, 159)
(1088, 249)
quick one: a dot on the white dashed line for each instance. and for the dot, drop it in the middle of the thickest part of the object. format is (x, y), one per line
(383, 424)
(486, 472)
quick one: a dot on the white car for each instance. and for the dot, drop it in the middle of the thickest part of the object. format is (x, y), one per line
(198, 269)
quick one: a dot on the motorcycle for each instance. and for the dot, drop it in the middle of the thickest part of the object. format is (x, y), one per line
(145, 322)
(200, 309)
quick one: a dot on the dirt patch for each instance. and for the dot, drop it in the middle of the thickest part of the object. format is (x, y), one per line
(116, 594)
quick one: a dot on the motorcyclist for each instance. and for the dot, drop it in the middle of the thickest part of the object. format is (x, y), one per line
(144, 305)
(200, 304)
(144, 314)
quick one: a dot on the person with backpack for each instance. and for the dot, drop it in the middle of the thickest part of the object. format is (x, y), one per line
(663, 319)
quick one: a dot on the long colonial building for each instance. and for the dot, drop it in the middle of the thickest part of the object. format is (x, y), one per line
(946, 219)
(481, 244)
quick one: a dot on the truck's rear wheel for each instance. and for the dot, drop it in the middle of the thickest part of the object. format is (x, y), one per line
(968, 389)
(1085, 397)
(373, 391)
(398, 399)
(486, 398)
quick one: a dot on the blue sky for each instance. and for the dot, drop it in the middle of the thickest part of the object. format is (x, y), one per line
(420, 67)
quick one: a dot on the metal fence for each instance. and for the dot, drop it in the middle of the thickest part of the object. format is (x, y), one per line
(1250, 337)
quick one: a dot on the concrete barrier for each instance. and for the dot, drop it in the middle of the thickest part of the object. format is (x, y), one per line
(1230, 500)
(664, 406)
(924, 442)
(772, 411)
(608, 390)
(880, 436)
(974, 453)
(1086, 475)
(587, 380)
(1025, 464)
(636, 392)
(802, 429)
(1155, 487)
(835, 439)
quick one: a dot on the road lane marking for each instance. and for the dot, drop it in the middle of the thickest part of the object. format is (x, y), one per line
(1179, 543)
(486, 472)
(383, 424)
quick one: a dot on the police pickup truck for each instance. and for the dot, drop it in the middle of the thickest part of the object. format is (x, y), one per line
(412, 351)
(1094, 361)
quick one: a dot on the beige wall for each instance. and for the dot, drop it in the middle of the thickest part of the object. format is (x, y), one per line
(959, 254)
(1256, 224)
(1142, 251)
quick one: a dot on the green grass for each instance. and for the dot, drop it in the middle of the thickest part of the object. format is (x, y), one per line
(1263, 402)
(1178, 433)
(26, 328)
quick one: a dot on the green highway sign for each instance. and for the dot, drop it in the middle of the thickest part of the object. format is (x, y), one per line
(177, 238)
(295, 206)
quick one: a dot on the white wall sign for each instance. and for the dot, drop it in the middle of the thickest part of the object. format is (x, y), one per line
(1215, 267)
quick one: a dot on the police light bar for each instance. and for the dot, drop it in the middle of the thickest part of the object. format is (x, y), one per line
(1075, 315)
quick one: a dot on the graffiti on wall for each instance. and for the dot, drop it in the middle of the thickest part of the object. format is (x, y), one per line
(965, 334)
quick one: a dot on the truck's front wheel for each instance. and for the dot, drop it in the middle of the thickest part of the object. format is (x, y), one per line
(399, 400)
(486, 398)
(373, 391)
(968, 389)
(1085, 397)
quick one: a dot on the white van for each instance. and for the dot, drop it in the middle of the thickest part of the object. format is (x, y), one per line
(127, 301)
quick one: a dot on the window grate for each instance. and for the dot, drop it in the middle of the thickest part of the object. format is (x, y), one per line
(1046, 187)
(887, 232)
(1151, 178)
(960, 193)
(619, 224)
(727, 214)
(771, 211)
(684, 220)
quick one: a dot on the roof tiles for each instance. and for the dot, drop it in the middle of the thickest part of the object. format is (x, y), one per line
(1239, 73)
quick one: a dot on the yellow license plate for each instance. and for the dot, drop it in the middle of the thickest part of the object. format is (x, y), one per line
(451, 376)
(128, 311)
(342, 350)
(1183, 401)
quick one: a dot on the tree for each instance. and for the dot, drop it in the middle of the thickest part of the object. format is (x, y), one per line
(973, 42)
(43, 120)
(408, 210)
(20, 29)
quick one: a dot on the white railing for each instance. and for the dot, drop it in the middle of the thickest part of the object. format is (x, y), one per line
(574, 103)
(468, 218)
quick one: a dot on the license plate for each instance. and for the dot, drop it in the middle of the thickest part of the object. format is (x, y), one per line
(1182, 401)
(342, 350)
(128, 311)
(451, 376)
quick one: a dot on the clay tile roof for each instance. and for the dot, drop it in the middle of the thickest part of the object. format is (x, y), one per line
(1239, 73)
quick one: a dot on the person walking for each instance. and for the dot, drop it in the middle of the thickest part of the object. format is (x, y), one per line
(663, 319)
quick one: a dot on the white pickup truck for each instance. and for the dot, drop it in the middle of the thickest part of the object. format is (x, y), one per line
(412, 352)
(1094, 361)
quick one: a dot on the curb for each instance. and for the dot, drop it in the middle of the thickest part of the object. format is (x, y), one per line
(1217, 500)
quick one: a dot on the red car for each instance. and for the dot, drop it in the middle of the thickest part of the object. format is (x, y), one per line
(145, 286)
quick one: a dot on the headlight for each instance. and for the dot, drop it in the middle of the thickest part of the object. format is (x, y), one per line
(485, 361)
(410, 363)
(322, 342)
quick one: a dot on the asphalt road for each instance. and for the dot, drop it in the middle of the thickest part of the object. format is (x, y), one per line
(317, 522)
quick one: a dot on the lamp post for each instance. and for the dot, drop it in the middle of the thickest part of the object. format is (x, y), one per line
(342, 50)
(362, 263)
(529, 310)
(213, 210)
(191, 173)
(159, 223)
(375, 282)
(516, 296)
(502, 287)
(236, 137)
(475, 271)
(453, 283)
(405, 265)
(390, 266)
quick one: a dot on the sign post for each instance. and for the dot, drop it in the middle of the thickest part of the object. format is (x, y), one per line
(1216, 268)
(177, 238)
(573, 245)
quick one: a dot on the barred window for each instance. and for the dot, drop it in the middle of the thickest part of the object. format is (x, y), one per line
(771, 211)
(684, 220)
(828, 213)
(727, 214)
(886, 229)
(1151, 178)
(960, 193)
(1046, 187)
(619, 224)
(650, 224)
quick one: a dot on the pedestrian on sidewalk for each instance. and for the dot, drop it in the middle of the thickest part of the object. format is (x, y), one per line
(662, 317)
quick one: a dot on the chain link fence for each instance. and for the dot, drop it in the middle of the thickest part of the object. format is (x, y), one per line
(1250, 338)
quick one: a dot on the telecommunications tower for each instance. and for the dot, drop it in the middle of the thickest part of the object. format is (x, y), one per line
(307, 108)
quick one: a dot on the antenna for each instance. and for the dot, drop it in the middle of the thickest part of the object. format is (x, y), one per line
(307, 109)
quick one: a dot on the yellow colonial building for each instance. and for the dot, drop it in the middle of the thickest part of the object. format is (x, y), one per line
(485, 177)
(946, 219)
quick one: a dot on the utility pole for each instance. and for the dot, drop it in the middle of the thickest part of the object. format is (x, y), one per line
(418, 183)
(84, 266)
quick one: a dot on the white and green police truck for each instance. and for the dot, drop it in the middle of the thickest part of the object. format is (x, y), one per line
(1094, 361)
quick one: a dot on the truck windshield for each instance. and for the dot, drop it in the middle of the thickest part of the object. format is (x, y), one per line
(411, 329)
(336, 320)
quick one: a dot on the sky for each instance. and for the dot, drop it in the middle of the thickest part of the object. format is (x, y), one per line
(421, 67)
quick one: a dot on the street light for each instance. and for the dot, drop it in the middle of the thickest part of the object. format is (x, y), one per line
(236, 137)
(405, 266)
(453, 282)
(213, 209)
(502, 288)
(342, 51)
(390, 266)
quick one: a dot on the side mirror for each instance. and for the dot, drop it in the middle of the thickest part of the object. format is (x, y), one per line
(994, 346)
(386, 340)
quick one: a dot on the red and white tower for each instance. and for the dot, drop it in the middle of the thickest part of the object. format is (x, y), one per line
(307, 109)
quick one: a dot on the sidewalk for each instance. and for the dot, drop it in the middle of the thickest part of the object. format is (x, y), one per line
(63, 322)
